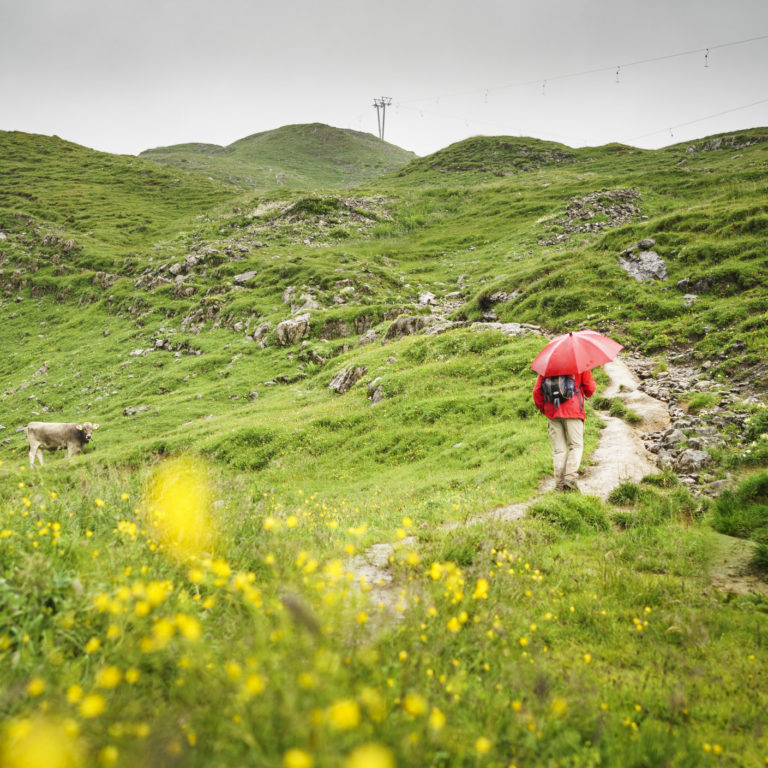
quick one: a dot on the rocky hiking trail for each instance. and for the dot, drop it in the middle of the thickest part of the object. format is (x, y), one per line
(621, 456)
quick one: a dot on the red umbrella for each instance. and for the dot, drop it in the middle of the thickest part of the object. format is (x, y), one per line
(575, 352)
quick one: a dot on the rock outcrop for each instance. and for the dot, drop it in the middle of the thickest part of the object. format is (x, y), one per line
(344, 380)
(293, 330)
(640, 262)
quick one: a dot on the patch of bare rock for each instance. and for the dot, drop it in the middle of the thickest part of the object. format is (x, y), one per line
(684, 445)
(595, 212)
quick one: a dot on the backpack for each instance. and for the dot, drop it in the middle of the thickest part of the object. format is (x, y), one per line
(558, 389)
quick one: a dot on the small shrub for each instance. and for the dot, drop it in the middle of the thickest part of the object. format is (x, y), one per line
(627, 414)
(572, 513)
(744, 512)
(757, 425)
(625, 495)
(247, 448)
(666, 479)
(759, 562)
(462, 553)
(315, 206)
(699, 401)
(653, 508)
(615, 406)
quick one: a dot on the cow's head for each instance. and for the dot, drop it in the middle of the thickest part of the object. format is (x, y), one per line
(87, 429)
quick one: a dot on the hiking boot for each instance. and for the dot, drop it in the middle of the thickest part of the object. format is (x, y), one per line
(571, 486)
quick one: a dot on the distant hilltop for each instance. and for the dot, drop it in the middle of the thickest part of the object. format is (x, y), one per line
(307, 156)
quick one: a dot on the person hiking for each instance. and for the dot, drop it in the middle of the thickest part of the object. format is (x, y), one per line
(564, 382)
(561, 400)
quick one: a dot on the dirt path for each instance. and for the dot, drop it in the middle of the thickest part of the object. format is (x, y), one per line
(729, 569)
(620, 456)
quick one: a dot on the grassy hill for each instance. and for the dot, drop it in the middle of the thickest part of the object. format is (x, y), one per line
(294, 157)
(201, 611)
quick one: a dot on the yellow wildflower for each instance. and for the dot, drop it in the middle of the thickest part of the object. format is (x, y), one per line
(343, 715)
(35, 687)
(108, 756)
(254, 685)
(481, 590)
(109, 676)
(93, 645)
(483, 746)
(92, 705)
(177, 505)
(163, 631)
(74, 693)
(415, 705)
(436, 719)
(559, 705)
(39, 742)
(298, 758)
(370, 755)
(132, 675)
(189, 627)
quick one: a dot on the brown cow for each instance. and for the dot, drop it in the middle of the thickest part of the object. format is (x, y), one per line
(55, 435)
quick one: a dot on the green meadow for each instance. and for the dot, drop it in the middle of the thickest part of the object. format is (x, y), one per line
(187, 591)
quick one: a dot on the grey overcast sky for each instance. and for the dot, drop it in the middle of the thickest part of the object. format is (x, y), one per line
(126, 75)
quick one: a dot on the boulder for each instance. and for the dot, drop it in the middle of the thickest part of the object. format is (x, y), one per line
(344, 380)
(691, 461)
(134, 411)
(643, 265)
(374, 385)
(335, 329)
(664, 460)
(674, 436)
(502, 297)
(694, 285)
(427, 298)
(406, 326)
(244, 277)
(260, 334)
(293, 330)
(304, 303)
(508, 329)
(367, 338)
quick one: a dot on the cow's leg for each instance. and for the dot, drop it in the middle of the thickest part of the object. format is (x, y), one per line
(33, 446)
(40, 455)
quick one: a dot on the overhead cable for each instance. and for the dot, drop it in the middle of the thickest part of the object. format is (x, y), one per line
(583, 73)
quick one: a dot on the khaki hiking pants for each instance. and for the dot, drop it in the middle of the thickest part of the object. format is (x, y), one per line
(567, 436)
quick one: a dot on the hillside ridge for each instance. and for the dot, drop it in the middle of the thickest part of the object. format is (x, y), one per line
(288, 382)
(300, 156)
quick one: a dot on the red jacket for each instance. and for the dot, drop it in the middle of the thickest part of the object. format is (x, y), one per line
(570, 409)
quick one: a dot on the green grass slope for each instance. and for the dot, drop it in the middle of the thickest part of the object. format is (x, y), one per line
(311, 156)
(207, 615)
(112, 199)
